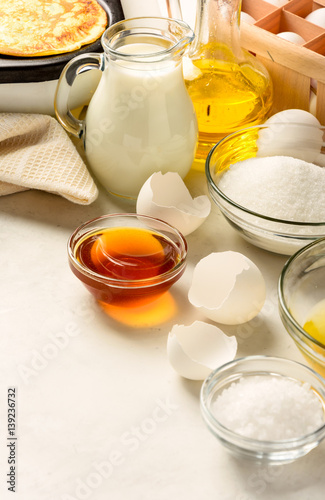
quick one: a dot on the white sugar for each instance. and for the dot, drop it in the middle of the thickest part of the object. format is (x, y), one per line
(269, 408)
(278, 186)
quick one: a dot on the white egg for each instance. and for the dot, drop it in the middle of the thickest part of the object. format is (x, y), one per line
(317, 17)
(196, 350)
(293, 116)
(166, 197)
(284, 138)
(277, 3)
(313, 84)
(320, 160)
(292, 37)
(246, 18)
(227, 287)
(312, 102)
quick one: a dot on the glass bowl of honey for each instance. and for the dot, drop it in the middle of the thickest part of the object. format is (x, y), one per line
(127, 260)
(265, 179)
(301, 293)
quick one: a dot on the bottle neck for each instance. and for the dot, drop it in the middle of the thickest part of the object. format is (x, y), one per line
(217, 32)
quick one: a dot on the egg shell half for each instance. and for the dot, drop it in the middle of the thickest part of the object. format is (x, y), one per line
(166, 197)
(195, 350)
(228, 288)
(304, 143)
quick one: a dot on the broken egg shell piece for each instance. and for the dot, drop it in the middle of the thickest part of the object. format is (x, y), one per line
(166, 197)
(195, 350)
(228, 288)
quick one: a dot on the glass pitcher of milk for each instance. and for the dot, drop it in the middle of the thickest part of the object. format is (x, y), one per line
(140, 119)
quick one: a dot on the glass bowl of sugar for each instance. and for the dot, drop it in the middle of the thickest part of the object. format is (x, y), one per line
(266, 409)
(269, 183)
(301, 295)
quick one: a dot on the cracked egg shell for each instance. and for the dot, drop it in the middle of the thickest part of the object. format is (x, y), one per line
(166, 197)
(196, 350)
(228, 288)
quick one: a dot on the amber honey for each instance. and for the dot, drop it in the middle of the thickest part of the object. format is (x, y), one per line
(127, 264)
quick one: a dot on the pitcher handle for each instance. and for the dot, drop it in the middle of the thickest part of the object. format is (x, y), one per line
(75, 67)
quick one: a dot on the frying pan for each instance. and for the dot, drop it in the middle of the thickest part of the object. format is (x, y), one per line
(27, 84)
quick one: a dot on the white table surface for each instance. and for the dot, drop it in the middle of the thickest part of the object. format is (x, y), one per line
(104, 416)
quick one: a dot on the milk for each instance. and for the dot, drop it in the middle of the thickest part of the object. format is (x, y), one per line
(140, 120)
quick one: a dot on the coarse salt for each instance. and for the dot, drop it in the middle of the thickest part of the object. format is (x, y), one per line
(281, 187)
(269, 408)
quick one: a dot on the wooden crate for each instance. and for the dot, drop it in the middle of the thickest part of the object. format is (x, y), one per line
(292, 67)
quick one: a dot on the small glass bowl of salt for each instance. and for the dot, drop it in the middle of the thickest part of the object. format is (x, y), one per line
(264, 408)
(269, 182)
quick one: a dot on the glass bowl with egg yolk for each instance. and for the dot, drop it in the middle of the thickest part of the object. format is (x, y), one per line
(301, 294)
(127, 260)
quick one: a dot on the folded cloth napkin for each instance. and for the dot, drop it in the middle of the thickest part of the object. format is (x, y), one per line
(37, 153)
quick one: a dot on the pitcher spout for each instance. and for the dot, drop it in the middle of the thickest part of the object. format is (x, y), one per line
(184, 36)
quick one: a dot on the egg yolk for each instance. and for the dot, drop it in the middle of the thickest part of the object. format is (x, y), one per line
(315, 324)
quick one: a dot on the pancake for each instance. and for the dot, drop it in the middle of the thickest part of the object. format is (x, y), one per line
(33, 28)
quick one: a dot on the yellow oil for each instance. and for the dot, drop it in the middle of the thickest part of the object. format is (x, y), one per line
(227, 96)
(315, 324)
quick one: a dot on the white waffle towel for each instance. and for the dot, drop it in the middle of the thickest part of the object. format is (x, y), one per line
(36, 153)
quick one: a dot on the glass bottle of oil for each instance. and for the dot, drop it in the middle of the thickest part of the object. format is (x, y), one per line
(229, 87)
